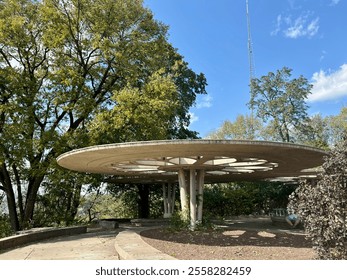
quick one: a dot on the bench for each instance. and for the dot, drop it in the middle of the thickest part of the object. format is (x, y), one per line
(278, 215)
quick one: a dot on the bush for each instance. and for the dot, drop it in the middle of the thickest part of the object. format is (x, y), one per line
(181, 221)
(323, 206)
(5, 226)
(223, 200)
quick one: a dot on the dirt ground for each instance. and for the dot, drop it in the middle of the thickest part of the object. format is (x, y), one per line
(236, 239)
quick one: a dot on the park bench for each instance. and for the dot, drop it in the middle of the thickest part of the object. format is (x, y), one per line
(278, 215)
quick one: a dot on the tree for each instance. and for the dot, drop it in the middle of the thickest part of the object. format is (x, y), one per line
(314, 132)
(280, 101)
(245, 127)
(61, 61)
(323, 206)
(337, 127)
(60, 196)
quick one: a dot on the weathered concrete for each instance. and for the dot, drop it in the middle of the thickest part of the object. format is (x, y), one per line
(195, 162)
(108, 223)
(222, 160)
(130, 246)
(31, 236)
(97, 245)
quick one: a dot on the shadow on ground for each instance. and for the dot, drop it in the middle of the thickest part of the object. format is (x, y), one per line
(250, 232)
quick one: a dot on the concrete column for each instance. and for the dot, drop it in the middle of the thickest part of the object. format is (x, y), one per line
(169, 199)
(193, 208)
(183, 191)
(173, 195)
(200, 185)
(165, 200)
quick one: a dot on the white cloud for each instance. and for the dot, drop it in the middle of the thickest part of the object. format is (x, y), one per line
(205, 102)
(193, 117)
(302, 26)
(322, 55)
(329, 86)
(334, 2)
(278, 25)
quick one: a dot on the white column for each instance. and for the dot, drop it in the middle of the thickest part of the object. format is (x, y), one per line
(165, 200)
(200, 184)
(183, 191)
(193, 209)
(173, 197)
(169, 199)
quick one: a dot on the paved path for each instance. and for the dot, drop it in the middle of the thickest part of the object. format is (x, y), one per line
(130, 246)
(123, 243)
(88, 246)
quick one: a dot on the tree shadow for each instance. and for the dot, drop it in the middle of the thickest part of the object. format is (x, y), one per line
(230, 237)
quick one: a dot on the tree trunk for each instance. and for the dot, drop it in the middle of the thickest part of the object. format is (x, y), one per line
(73, 203)
(34, 185)
(11, 203)
(143, 201)
(11, 199)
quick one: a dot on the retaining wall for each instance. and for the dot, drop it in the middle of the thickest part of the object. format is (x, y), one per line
(38, 235)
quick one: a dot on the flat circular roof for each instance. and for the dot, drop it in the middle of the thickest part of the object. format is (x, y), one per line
(222, 160)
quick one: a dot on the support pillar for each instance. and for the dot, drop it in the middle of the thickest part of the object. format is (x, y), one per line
(200, 187)
(192, 184)
(183, 191)
(193, 208)
(169, 199)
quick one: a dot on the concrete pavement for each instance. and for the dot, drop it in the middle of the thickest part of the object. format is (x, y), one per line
(123, 243)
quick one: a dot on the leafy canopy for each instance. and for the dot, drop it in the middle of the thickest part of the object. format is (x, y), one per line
(280, 101)
(65, 64)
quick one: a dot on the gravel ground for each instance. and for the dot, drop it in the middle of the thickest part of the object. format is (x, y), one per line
(237, 239)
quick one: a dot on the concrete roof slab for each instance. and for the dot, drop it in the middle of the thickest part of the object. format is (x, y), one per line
(222, 160)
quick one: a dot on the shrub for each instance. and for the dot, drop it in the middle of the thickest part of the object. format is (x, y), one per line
(323, 206)
(5, 226)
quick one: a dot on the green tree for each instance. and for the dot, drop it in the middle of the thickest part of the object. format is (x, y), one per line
(60, 196)
(245, 127)
(64, 61)
(280, 101)
(314, 132)
(243, 198)
(337, 127)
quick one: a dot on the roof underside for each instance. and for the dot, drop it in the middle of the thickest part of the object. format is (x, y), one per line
(222, 160)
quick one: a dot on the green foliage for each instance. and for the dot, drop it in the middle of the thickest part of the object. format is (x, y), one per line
(140, 114)
(5, 226)
(179, 222)
(131, 197)
(243, 128)
(58, 202)
(96, 206)
(323, 206)
(337, 127)
(280, 101)
(314, 132)
(66, 63)
(223, 200)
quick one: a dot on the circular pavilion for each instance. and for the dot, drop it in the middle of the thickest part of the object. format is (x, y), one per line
(192, 163)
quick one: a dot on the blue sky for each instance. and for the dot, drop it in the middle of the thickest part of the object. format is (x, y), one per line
(308, 36)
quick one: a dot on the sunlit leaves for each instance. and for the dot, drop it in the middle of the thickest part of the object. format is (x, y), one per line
(139, 114)
(67, 63)
(278, 99)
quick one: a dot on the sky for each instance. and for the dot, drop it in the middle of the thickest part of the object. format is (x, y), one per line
(307, 36)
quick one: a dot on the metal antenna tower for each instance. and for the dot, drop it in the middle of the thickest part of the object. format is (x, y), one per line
(250, 45)
(251, 67)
